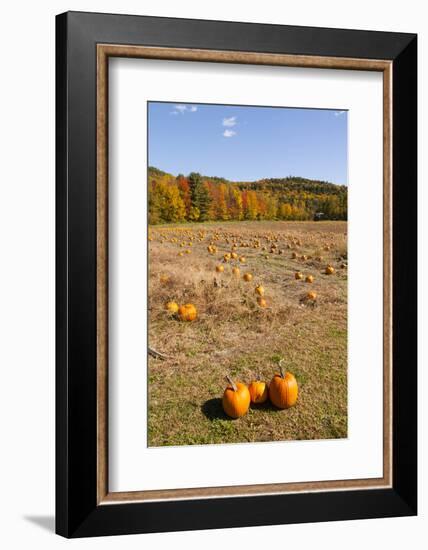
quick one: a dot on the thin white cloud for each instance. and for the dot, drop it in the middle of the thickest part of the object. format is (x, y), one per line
(229, 133)
(231, 121)
(339, 113)
(180, 109)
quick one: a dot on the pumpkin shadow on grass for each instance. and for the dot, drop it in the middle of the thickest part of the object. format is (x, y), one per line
(266, 406)
(213, 409)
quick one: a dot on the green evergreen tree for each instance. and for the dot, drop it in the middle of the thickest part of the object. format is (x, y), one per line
(201, 198)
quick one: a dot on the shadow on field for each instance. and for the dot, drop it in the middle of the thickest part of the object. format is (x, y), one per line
(213, 409)
(266, 406)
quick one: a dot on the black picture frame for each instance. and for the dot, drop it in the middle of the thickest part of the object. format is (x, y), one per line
(77, 512)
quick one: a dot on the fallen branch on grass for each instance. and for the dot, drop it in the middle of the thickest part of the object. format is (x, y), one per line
(157, 354)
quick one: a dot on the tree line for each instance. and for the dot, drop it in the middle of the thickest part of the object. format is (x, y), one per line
(197, 198)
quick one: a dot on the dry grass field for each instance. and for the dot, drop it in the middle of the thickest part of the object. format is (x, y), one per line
(233, 334)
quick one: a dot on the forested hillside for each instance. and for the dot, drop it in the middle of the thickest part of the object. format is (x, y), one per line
(197, 198)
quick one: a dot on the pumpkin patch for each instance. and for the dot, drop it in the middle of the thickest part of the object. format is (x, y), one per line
(244, 295)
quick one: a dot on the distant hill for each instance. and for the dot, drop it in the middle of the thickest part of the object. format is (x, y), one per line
(196, 197)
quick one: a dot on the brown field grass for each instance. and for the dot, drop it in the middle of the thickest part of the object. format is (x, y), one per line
(233, 334)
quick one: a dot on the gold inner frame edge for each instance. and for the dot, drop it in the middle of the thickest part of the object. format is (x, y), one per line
(104, 51)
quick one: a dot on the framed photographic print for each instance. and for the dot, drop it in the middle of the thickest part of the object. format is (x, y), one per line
(236, 274)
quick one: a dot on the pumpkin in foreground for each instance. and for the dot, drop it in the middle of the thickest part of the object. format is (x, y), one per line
(236, 399)
(187, 312)
(283, 389)
(258, 391)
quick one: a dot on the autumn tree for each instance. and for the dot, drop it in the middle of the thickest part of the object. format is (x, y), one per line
(166, 204)
(252, 205)
(184, 188)
(236, 204)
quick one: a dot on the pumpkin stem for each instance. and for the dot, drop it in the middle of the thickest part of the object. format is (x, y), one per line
(231, 382)
(281, 370)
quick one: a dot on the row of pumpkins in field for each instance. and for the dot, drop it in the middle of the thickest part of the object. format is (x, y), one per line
(272, 240)
(188, 312)
(281, 391)
(236, 241)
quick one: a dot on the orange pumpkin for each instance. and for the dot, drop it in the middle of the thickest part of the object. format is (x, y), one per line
(242, 259)
(283, 389)
(219, 268)
(236, 271)
(258, 391)
(236, 399)
(298, 275)
(311, 296)
(171, 307)
(329, 270)
(187, 312)
(260, 290)
(309, 279)
(261, 301)
(247, 277)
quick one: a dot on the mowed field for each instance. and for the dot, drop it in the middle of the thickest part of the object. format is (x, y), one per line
(234, 335)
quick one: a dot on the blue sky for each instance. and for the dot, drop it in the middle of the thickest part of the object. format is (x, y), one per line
(248, 143)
